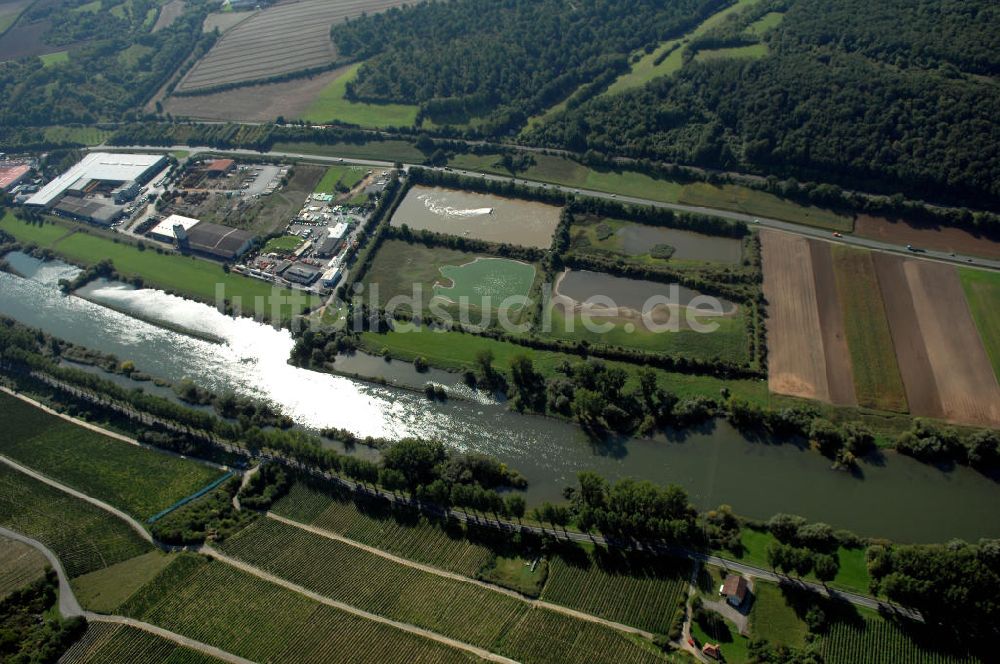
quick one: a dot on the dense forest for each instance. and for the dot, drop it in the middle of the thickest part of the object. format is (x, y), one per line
(114, 66)
(502, 60)
(836, 99)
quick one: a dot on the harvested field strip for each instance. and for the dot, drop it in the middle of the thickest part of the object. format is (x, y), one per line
(547, 637)
(109, 643)
(639, 595)
(839, 376)
(982, 290)
(345, 573)
(20, 564)
(85, 537)
(911, 352)
(962, 370)
(139, 481)
(877, 381)
(880, 641)
(399, 532)
(279, 40)
(222, 606)
(796, 360)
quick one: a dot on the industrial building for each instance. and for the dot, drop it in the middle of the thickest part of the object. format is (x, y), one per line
(11, 176)
(120, 176)
(219, 167)
(92, 211)
(166, 230)
(331, 243)
(298, 273)
(215, 241)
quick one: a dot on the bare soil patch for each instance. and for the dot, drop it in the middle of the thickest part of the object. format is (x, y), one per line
(169, 13)
(965, 380)
(907, 337)
(937, 238)
(224, 20)
(257, 103)
(25, 40)
(796, 359)
(839, 372)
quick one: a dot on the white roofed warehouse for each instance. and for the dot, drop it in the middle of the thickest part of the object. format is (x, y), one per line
(113, 170)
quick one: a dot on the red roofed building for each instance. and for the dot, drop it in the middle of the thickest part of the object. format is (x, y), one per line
(11, 176)
(712, 650)
(219, 167)
(734, 589)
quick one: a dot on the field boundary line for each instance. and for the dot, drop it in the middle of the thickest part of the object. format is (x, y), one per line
(353, 610)
(135, 525)
(534, 603)
(106, 432)
(70, 607)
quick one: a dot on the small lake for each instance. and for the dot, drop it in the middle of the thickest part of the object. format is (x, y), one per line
(891, 495)
(478, 216)
(634, 294)
(638, 239)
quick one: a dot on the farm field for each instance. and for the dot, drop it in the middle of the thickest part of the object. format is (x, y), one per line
(342, 572)
(479, 216)
(877, 381)
(346, 176)
(982, 290)
(222, 606)
(547, 637)
(765, 23)
(184, 275)
(81, 135)
(85, 537)
(749, 52)
(52, 59)
(607, 585)
(876, 640)
(839, 370)
(796, 362)
(108, 643)
(400, 533)
(20, 564)
(939, 238)
(169, 12)
(10, 10)
(331, 106)
(139, 481)
(279, 40)
(105, 589)
(24, 40)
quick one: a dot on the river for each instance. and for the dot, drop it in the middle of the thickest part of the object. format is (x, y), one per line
(892, 496)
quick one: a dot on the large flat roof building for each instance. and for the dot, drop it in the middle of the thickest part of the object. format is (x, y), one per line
(165, 230)
(11, 176)
(89, 210)
(219, 242)
(104, 167)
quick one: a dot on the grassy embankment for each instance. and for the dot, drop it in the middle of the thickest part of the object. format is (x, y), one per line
(566, 172)
(82, 135)
(282, 245)
(184, 275)
(331, 106)
(390, 151)
(982, 290)
(139, 481)
(347, 176)
(877, 380)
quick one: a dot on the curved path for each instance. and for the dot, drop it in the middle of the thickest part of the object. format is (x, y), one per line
(347, 608)
(537, 603)
(69, 607)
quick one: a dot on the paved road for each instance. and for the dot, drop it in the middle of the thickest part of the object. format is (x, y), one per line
(69, 607)
(764, 222)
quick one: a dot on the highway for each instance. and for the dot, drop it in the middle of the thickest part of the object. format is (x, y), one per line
(762, 222)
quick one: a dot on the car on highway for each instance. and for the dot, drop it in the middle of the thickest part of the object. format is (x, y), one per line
(836, 234)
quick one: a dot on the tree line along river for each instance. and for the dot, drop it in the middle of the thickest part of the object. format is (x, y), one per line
(891, 496)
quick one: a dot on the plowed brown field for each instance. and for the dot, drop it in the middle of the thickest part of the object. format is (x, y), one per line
(839, 375)
(938, 239)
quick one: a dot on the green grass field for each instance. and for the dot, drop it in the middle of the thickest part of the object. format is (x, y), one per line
(734, 646)
(187, 276)
(480, 278)
(852, 575)
(982, 290)
(765, 23)
(84, 537)
(728, 342)
(456, 351)
(330, 105)
(544, 636)
(459, 610)
(749, 52)
(52, 59)
(106, 589)
(282, 245)
(873, 639)
(108, 643)
(348, 176)
(773, 619)
(877, 381)
(20, 564)
(646, 69)
(217, 604)
(139, 481)
(751, 201)
(607, 585)
(402, 534)
(81, 135)
(377, 150)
